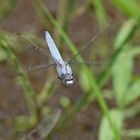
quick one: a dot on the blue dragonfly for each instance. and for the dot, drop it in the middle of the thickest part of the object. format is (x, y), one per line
(64, 71)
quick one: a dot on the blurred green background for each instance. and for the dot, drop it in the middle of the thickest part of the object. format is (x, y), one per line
(104, 102)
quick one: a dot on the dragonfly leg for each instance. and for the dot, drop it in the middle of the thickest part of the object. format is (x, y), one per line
(59, 78)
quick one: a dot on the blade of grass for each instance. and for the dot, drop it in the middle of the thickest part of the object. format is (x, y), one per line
(29, 93)
(128, 7)
(104, 107)
(132, 93)
(134, 133)
(61, 12)
(105, 131)
(61, 17)
(46, 93)
(6, 8)
(128, 32)
(44, 128)
(132, 111)
(122, 75)
(71, 7)
(100, 11)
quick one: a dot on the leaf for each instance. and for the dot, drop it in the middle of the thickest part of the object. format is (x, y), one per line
(129, 7)
(124, 34)
(132, 93)
(84, 79)
(47, 92)
(135, 133)
(105, 131)
(65, 102)
(122, 75)
(44, 128)
(3, 55)
(6, 8)
(29, 92)
(132, 111)
(100, 11)
(22, 123)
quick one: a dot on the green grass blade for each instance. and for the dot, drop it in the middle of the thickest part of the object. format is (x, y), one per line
(44, 128)
(125, 92)
(132, 93)
(132, 111)
(127, 32)
(104, 108)
(122, 74)
(105, 132)
(100, 11)
(134, 133)
(129, 7)
(61, 17)
(6, 8)
(29, 92)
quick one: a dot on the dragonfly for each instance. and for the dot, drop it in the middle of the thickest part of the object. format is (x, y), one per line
(63, 68)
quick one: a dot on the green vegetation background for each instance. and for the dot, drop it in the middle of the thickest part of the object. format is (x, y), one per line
(118, 82)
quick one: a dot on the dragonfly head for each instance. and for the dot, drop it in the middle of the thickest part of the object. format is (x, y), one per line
(68, 79)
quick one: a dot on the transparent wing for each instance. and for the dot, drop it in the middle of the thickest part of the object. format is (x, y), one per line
(89, 63)
(53, 49)
(96, 52)
(42, 51)
(88, 45)
(31, 69)
(30, 61)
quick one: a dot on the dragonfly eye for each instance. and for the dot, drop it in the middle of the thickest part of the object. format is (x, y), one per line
(60, 66)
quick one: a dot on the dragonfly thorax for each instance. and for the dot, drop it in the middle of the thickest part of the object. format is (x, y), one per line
(65, 74)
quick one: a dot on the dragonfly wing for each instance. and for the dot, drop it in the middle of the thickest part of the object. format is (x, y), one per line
(30, 69)
(89, 44)
(53, 49)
